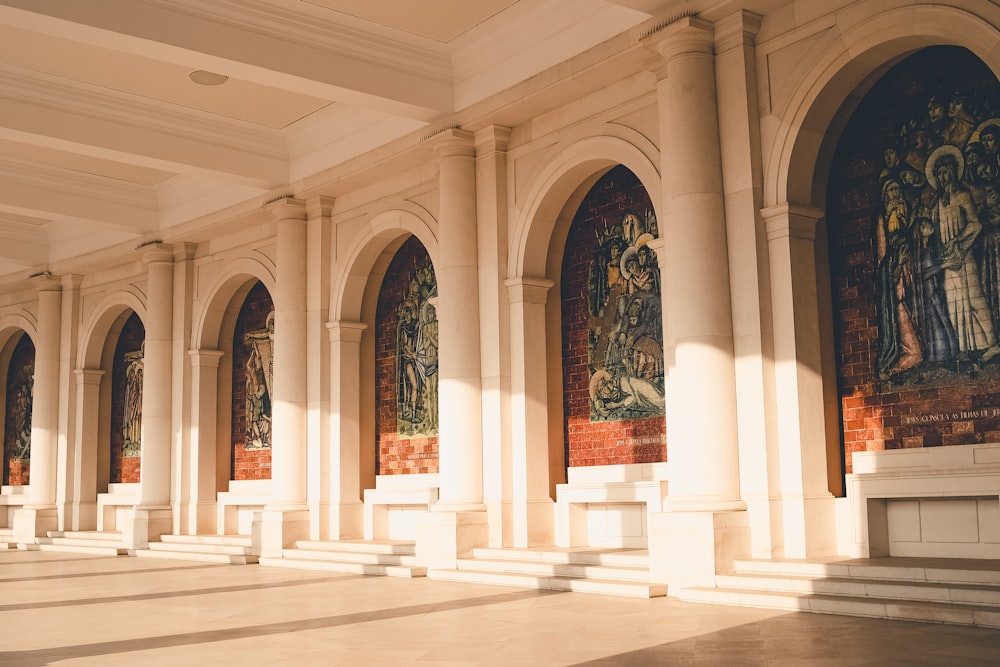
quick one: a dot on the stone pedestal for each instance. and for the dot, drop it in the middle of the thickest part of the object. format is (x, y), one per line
(143, 525)
(277, 529)
(689, 548)
(30, 523)
(444, 537)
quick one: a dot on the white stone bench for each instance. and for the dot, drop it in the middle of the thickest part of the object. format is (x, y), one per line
(609, 506)
(394, 506)
(934, 502)
(238, 506)
(113, 506)
(11, 498)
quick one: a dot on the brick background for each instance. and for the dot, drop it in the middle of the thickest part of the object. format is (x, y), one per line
(16, 472)
(397, 454)
(610, 442)
(124, 469)
(879, 414)
(247, 463)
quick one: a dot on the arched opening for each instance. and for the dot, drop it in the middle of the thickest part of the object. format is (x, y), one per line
(19, 358)
(251, 382)
(913, 213)
(125, 442)
(612, 338)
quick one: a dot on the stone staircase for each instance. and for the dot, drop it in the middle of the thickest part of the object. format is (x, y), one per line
(623, 572)
(393, 558)
(7, 539)
(959, 591)
(231, 549)
(96, 542)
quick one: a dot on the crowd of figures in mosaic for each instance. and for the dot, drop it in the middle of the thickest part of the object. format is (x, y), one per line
(259, 380)
(937, 232)
(417, 355)
(20, 417)
(625, 344)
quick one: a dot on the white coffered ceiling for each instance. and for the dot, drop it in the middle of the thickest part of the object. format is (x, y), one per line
(104, 138)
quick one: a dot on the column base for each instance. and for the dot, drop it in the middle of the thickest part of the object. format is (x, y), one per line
(142, 525)
(689, 548)
(809, 526)
(346, 520)
(30, 523)
(276, 529)
(444, 537)
(534, 522)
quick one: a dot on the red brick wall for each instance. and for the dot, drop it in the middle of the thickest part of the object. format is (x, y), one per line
(590, 438)
(247, 463)
(124, 469)
(16, 471)
(892, 401)
(398, 453)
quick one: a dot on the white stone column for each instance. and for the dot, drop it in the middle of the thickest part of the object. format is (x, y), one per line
(808, 520)
(458, 522)
(533, 508)
(87, 423)
(181, 430)
(346, 509)
(286, 517)
(494, 315)
(742, 175)
(200, 506)
(39, 514)
(705, 526)
(152, 516)
(319, 233)
(68, 473)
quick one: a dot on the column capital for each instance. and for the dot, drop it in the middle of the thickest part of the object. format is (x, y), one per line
(71, 281)
(736, 30)
(156, 252)
(528, 290)
(185, 251)
(319, 207)
(791, 220)
(205, 358)
(492, 139)
(346, 331)
(286, 208)
(46, 282)
(89, 376)
(453, 142)
(686, 36)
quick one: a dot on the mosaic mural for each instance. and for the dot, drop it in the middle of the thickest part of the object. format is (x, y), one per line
(126, 401)
(915, 255)
(612, 332)
(20, 392)
(259, 379)
(406, 364)
(132, 418)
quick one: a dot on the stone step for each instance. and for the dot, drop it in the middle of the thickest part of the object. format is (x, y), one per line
(950, 571)
(896, 589)
(587, 556)
(7, 540)
(198, 547)
(89, 535)
(554, 583)
(226, 540)
(394, 547)
(556, 569)
(351, 557)
(376, 569)
(909, 610)
(80, 547)
(199, 556)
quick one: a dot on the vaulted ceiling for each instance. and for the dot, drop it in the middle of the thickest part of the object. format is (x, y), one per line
(106, 138)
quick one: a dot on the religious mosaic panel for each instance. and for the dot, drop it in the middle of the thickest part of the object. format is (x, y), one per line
(253, 375)
(406, 365)
(17, 422)
(612, 328)
(914, 222)
(126, 401)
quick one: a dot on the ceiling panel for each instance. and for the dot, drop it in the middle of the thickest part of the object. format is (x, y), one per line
(83, 163)
(439, 20)
(150, 78)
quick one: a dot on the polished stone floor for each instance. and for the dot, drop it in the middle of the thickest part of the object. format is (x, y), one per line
(68, 609)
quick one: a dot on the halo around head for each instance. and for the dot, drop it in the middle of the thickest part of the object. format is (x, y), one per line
(938, 153)
(989, 122)
(623, 264)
